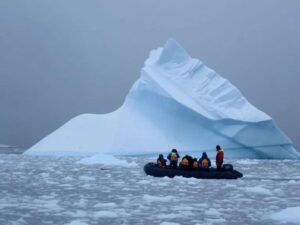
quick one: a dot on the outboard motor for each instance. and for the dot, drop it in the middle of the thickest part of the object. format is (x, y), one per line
(227, 167)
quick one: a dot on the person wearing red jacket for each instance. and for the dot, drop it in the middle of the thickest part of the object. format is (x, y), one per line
(219, 157)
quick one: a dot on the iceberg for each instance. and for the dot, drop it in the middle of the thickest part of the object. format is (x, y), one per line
(177, 102)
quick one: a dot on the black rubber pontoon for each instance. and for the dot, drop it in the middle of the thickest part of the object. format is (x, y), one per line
(227, 172)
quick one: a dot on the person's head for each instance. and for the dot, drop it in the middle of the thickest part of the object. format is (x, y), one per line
(195, 160)
(204, 155)
(218, 147)
(174, 150)
(160, 156)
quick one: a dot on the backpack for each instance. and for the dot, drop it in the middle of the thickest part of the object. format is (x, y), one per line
(204, 163)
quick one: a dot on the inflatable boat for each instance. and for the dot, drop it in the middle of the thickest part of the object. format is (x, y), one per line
(227, 172)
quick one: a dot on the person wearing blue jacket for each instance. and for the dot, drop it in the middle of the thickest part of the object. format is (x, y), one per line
(204, 161)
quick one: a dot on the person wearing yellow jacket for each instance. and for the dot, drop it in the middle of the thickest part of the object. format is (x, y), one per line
(173, 157)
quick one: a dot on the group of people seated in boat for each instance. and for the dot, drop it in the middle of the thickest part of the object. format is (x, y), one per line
(188, 162)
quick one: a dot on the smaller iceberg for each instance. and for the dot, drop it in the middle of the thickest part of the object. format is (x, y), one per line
(106, 160)
(177, 102)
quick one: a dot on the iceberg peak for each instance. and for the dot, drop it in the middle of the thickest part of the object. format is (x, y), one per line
(172, 52)
(171, 72)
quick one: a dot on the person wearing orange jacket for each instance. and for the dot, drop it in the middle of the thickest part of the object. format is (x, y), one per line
(219, 157)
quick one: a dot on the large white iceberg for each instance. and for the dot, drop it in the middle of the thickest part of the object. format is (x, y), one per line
(177, 102)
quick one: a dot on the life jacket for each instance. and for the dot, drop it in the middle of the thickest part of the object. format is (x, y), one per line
(195, 165)
(174, 156)
(184, 162)
(204, 163)
(220, 156)
(159, 164)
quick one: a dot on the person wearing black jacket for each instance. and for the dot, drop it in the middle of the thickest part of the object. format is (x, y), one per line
(161, 161)
(204, 161)
(186, 162)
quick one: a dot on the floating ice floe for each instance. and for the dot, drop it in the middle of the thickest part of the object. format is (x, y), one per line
(288, 215)
(259, 190)
(107, 160)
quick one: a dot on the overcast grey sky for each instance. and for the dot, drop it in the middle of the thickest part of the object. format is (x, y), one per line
(60, 58)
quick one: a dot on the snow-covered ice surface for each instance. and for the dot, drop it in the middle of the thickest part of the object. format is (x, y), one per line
(177, 102)
(49, 190)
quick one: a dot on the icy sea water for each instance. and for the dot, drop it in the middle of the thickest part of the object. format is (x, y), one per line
(46, 190)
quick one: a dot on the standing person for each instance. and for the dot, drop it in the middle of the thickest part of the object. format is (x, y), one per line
(219, 157)
(173, 157)
(204, 161)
